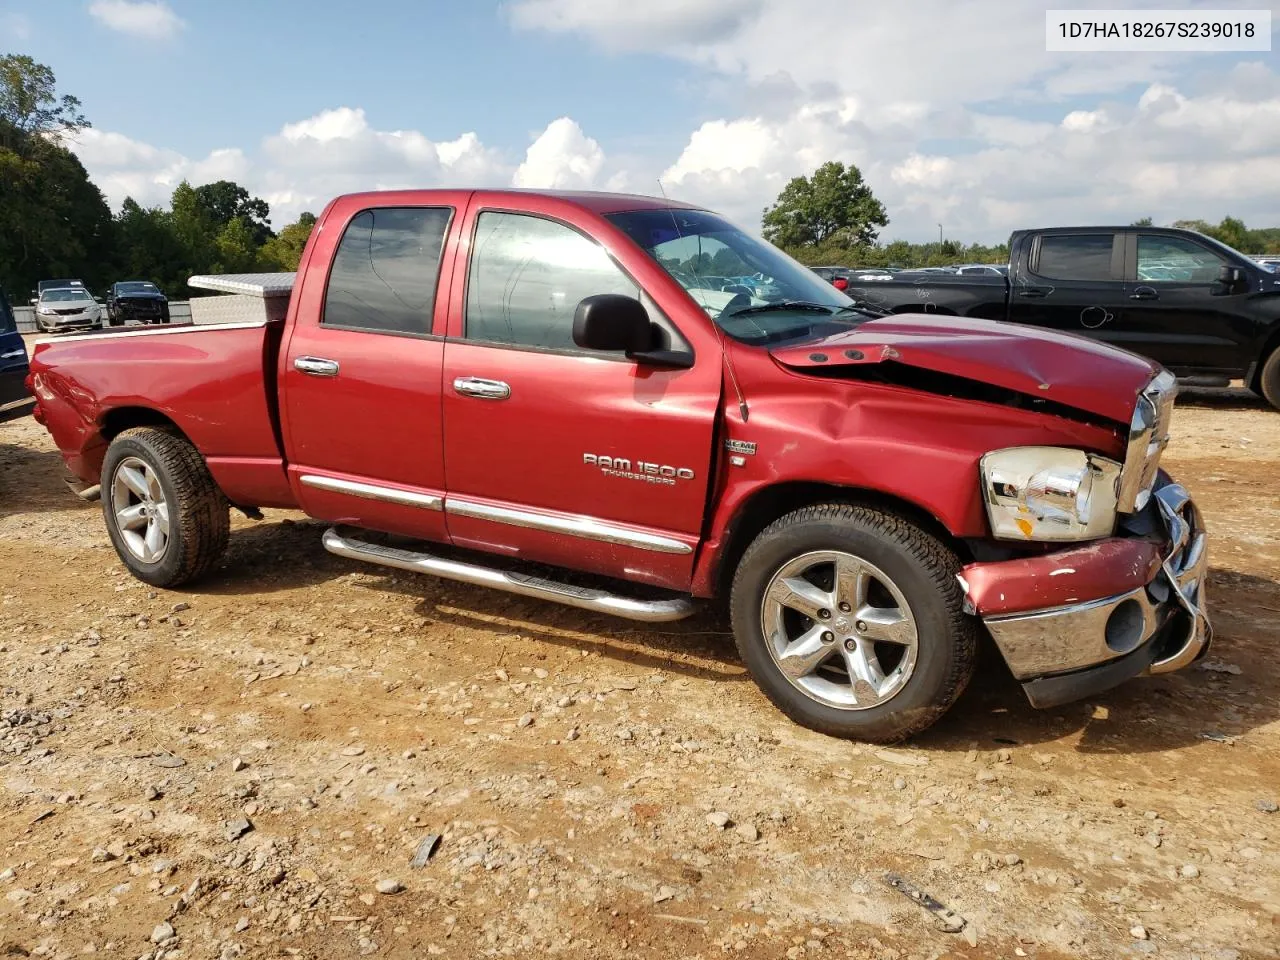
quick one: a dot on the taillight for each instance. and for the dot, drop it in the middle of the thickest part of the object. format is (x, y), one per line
(840, 283)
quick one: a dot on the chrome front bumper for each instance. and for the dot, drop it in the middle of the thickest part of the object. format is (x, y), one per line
(1156, 628)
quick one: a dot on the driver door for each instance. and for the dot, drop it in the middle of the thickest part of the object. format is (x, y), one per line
(1177, 311)
(553, 453)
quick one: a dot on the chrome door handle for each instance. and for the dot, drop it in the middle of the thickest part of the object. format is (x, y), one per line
(316, 366)
(1144, 293)
(484, 389)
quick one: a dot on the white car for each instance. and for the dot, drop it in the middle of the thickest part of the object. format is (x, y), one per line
(67, 308)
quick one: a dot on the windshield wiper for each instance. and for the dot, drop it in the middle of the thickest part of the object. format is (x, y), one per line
(788, 305)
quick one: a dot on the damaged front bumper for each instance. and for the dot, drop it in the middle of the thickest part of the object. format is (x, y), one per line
(1075, 622)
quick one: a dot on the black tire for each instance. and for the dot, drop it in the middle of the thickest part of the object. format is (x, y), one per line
(1269, 379)
(199, 517)
(921, 567)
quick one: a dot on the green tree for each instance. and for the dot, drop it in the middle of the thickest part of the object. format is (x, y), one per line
(1142, 222)
(283, 251)
(53, 220)
(832, 205)
(226, 200)
(30, 106)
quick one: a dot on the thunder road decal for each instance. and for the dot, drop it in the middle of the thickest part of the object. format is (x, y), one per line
(621, 467)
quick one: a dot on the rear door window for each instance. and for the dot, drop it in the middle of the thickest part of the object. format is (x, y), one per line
(1085, 256)
(386, 270)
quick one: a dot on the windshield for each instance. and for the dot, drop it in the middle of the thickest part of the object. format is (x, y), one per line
(62, 296)
(136, 286)
(750, 288)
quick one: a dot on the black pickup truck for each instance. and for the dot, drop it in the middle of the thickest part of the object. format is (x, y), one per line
(1193, 304)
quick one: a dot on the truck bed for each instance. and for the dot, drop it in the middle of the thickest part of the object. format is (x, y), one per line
(981, 297)
(216, 383)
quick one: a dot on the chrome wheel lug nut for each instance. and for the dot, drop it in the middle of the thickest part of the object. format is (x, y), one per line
(844, 607)
(824, 614)
(850, 645)
(861, 626)
(828, 636)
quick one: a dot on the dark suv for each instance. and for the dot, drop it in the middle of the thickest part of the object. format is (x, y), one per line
(136, 301)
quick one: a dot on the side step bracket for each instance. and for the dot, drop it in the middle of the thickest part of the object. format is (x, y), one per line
(585, 598)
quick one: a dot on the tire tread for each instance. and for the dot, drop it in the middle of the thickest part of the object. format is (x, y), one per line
(942, 567)
(203, 514)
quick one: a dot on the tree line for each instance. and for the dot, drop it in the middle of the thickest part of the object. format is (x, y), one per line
(832, 218)
(55, 223)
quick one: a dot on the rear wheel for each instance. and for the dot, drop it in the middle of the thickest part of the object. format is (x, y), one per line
(166, 517)
(1269, 379)
(851, 621)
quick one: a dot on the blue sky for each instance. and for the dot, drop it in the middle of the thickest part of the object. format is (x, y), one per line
(953, 110)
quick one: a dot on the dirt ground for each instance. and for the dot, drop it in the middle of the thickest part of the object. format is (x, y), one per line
(247, 768)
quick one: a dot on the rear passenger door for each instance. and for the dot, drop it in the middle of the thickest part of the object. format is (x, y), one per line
(1073, 283)
(581, 459)
(360, 374)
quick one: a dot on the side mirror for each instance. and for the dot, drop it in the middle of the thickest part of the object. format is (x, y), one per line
(610, 321)
(1231, 277)
(33, 301)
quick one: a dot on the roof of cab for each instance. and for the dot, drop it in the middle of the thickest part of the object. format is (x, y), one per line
(595, 201)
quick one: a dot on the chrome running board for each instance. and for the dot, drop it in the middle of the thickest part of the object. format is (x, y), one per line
(584, 598)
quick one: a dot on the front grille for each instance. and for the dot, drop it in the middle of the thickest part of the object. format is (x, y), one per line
(71, 312)
(1148, 435)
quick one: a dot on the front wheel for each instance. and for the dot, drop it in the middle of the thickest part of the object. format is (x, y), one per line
(1269, 379)
(851, 622)
(166, 517)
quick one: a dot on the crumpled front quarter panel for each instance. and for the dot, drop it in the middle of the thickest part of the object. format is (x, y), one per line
(906, 444)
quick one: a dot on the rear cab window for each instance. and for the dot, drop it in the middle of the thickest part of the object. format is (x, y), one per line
(386, 270)
(1077, 256)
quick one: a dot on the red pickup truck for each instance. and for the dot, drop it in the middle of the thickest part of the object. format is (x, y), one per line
(467, 382)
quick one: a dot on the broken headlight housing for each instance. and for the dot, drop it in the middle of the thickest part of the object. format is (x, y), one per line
(1049, 493)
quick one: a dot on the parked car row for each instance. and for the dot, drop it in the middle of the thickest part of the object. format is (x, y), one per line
(65, 305)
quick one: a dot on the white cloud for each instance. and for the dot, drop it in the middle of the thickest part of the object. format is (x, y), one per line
(947, 109)
(561, 158)
(626, 24)
(122, 167)
(150, 19)
(337, 151)
(1164, 152)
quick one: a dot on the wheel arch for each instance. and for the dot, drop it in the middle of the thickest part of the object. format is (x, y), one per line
(767, 504)
(1269, 346)
(116, 421)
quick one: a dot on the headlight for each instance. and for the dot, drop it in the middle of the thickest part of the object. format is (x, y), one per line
(1049, 493)
(46, 311)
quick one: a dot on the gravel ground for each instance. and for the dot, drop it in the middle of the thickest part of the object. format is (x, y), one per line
(249, 768)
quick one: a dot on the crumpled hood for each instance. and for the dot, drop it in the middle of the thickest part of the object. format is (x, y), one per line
(1064, 368)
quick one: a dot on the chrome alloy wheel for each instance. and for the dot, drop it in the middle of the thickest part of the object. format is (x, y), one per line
(839, 629)
(141, 511)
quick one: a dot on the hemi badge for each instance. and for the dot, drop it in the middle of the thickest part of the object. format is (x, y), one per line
(740, 446)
